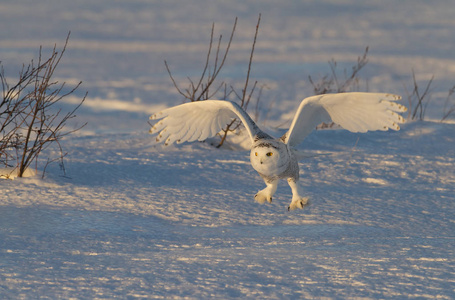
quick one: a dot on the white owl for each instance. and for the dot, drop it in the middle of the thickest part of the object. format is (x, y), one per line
(276, 159)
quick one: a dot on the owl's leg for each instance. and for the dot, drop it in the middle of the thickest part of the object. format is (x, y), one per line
(298, 201)
(267, 193)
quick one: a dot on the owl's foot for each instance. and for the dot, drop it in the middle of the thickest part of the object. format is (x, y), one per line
(263, 196)
(267, 193)
(297, 200)
(298, 203)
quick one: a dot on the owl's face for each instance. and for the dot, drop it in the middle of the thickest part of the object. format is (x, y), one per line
(269, 158)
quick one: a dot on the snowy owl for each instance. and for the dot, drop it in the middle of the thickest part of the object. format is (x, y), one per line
(276, 159)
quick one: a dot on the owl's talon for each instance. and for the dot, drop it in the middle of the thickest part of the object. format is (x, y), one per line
(300, 203)
(267, 193)
(263, 196)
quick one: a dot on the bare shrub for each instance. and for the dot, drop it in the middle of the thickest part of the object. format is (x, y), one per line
(332, 83)
(206, 86)
(418, 100)
(30, 121)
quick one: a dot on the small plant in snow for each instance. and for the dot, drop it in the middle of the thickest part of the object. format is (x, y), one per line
(206, 85)
(418, 100)
(332, 83)
(30, 120)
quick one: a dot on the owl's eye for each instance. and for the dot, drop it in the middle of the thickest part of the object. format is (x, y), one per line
(255, 153)
(269, 154)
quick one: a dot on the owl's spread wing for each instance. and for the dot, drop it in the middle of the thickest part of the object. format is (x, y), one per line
(198, 121)
(356, 112)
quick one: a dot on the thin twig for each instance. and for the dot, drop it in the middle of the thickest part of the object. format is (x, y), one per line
(452, 109)
(35, 125)
(251, 60)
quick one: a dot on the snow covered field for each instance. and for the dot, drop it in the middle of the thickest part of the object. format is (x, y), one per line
(135, 221)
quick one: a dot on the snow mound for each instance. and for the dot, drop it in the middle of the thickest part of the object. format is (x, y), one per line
(12, 173)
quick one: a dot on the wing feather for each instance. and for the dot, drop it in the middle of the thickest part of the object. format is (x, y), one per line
(204, 131)
(186, 132)
(356, 112)
(213, 127)
(199, 121)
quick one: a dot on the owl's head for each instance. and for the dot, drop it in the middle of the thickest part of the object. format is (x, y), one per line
(268, 157)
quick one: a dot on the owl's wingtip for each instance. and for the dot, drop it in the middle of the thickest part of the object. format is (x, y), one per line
(393, 97)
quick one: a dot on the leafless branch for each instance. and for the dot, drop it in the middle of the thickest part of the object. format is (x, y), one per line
(244, 99)
(29, 123)
(333, 84)
(205, 87)
(417, 99)
(451, 110)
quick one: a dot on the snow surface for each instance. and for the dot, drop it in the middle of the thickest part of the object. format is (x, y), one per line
(131, 220)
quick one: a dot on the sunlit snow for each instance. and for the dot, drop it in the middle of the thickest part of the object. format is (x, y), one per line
(132, 220)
